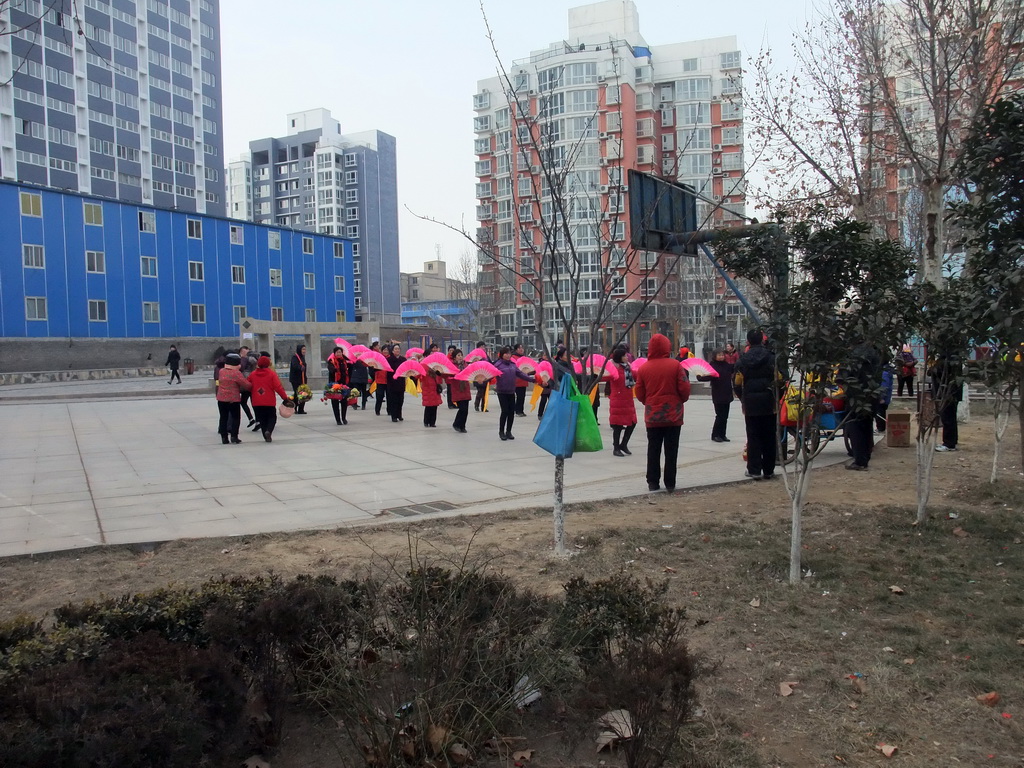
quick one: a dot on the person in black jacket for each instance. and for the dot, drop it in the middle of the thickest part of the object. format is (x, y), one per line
(755, 385)
(173, 358)
(863, 381)
(395, 385)
(359, 378)
(297, 376)
(721, 394)
(948, 391)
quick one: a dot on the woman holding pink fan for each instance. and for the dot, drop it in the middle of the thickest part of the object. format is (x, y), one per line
(461, 393)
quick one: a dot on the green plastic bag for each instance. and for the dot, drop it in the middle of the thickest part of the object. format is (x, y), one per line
(588, 434)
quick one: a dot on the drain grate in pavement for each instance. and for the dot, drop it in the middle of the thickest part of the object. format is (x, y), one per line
(420, 509)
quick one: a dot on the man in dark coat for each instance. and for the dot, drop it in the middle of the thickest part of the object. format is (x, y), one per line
(948, 391)
(755, 385)
(863, 380)
(173, 359)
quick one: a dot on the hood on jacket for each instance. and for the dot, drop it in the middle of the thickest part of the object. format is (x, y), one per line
(756, 355)
(658, 346)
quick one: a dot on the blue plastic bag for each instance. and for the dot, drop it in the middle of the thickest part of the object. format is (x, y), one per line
(557, 431)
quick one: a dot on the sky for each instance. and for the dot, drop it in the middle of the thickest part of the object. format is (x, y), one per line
(410, 68)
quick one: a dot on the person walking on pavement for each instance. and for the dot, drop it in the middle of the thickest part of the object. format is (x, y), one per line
(663, 387)
(863, 381)
(755, 384)
(721, 394)
(266, 387)
(621, 405)
(338, 373)
(229, 397)
(173, 360)
(395, 384)
(297, 376)
(462, 393)
(248, 366)
(506, 389)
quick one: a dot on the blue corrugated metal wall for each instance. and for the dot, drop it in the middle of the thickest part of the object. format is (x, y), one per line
(67, 286)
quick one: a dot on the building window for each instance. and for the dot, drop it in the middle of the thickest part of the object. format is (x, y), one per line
(307, 245)
(35, 308)
(356, 285)
(147, 221)
(149, 266)
(277, 314)
(310, 315)
(150, 312)
(237, 235)
(93, 213)
(649, 287)
(339, 250)
(274, 241)
(275, 278)
(198, 313)
(95, 262)
(339, 282)
(195, 229)
(31, 204)
(352, 231)
(34, 256)
(309, 280)
(97, 311)
(195, 270)
(238, 274)
(237, 313)
(351, 177)
(415, 293)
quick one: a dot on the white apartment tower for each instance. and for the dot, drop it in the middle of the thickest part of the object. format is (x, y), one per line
(594, 105)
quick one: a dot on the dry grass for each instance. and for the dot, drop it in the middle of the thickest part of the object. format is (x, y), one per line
(959, 618)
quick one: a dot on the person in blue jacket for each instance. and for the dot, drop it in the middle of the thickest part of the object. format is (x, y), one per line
(884, 397)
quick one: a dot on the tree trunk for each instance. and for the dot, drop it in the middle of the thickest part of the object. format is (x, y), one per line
(934, 233)
(1002, 421)
(963, 408)
(926, 440)
(803, 481)
(1020, 418)
(560, 548)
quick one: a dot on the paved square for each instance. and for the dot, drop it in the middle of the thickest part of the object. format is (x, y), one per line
(83, 473)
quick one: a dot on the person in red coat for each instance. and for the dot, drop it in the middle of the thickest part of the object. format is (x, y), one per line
(461, 392)
(380, 378)
(662, 386)
(266, 387)
(231, 384)
(338, 373)
(621, 406)
(432, 385)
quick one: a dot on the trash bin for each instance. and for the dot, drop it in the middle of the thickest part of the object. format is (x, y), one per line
(190, 366)
(897, 430)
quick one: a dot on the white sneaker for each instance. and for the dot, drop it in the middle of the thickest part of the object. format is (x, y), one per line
(944, 448)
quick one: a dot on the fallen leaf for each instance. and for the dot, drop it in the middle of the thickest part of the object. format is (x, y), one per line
(641, 550)
(909, 661)
(960, 533)
(256, 762)
(669, 569)
(1007, 715)
(887, 649)
(896, 590)
(786, 689)
(989, 699)
(1020, 641)
(853, 705)
(459, 754)
(437, 737)
(755, 603)
(524, 754)
(887, 749)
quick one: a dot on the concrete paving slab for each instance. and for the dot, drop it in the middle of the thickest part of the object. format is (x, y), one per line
(147, 467)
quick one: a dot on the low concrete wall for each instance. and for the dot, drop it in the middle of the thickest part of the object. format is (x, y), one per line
(79, 354)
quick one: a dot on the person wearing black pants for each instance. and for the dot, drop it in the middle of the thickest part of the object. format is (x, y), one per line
(338, 373)
(481, 387)
(663, 387)
(864, 382)
(173, 358)
(721, 394)
(755, 385)
(506, 388)
(395, 385)
(297, 376)
(859, 430)
(359, 378)
(948, 391)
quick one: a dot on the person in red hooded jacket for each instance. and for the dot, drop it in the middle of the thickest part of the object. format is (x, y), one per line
(662, 386)
(266, 388)
(432, 385)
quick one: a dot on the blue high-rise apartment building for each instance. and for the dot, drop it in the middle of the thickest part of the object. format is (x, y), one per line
(318, 179)
(119, 99)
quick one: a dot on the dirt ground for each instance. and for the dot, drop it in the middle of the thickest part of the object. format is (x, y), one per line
(867, 664)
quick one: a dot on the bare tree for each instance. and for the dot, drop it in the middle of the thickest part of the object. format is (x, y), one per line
(882, 99)
(465, 285)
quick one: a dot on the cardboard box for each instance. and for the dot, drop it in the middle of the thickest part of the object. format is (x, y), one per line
(897, 430)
